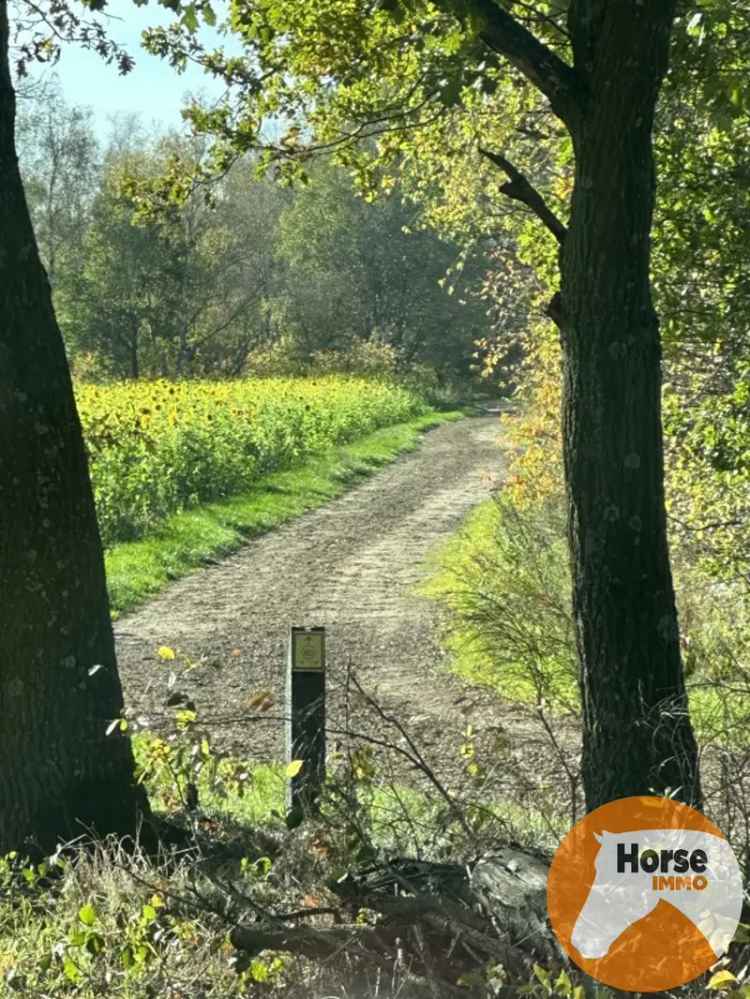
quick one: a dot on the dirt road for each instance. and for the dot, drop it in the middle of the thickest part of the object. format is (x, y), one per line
(352, 566)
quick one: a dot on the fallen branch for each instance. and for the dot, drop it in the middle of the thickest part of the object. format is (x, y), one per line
(497, 915)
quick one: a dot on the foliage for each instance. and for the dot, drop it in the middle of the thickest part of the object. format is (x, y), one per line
(533, 426)
(700, 259)
(709, 474)
(511, 556)
(239, 271)
(362, 271)
(59, 156)
(157, 447)
(362, 357)
(107, 923)
(505, 582)
(97, 919)
(187, 292)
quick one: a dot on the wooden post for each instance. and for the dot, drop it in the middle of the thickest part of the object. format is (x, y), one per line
(305, 712)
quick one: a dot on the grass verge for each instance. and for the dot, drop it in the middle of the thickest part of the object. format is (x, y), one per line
(138, 570)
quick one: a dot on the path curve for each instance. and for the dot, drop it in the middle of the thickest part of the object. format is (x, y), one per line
(351, 565)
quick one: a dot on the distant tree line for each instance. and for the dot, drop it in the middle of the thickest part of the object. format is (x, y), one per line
(242, 271)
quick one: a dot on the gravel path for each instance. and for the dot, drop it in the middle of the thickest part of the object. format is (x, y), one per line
(352, 566)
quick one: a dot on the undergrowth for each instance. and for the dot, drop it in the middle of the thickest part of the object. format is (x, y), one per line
(108, 919)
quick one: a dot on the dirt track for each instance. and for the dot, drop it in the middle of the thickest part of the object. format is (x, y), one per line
(352, 566)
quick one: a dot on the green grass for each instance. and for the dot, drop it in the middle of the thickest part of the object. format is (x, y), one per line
(497, 578)
(263, 790)
(138, 570)
(445, 583)
(497, 582)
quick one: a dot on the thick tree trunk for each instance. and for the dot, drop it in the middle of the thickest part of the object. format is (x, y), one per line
(59, 771)
(637, 734)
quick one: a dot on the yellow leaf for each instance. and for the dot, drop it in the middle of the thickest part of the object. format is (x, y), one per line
(258, 700)
(166, 653)
(721, 980)
(294, 768)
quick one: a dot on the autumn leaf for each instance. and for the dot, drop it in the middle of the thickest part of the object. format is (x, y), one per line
(721, 980)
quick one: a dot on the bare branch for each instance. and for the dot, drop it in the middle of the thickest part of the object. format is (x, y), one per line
(520, 189)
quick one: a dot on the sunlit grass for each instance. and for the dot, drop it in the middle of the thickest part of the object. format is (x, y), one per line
(494, 594)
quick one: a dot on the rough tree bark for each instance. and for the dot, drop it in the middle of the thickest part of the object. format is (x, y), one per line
(637, 736)
(59, 771)
(637, 733)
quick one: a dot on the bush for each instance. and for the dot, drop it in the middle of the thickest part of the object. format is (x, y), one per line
(505, 582)
(362, 357)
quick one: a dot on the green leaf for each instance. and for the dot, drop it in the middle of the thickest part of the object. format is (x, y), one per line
(72, 972)
(563, 983)
(87, 914)
(263, 866)
(259, 971)
(190, 18)
(543, 975)
(294, 767)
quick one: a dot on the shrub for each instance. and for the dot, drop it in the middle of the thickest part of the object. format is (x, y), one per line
(506, 585)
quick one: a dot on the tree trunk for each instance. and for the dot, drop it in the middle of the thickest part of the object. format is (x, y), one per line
(637, 734)
(59, 771)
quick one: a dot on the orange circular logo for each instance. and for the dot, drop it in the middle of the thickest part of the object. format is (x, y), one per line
(644, 894)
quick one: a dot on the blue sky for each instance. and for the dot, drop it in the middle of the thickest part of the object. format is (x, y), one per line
(153, 89)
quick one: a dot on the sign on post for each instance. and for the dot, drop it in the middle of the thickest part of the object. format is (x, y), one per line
(306, 718)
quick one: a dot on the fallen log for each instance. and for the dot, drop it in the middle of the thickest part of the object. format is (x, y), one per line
(443, 921)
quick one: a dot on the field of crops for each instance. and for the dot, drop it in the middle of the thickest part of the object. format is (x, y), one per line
(158, 447)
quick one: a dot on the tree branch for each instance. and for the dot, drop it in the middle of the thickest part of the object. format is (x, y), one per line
(520, 189)
(506, 36)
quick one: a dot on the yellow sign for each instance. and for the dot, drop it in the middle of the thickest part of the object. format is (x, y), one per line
(307, 650)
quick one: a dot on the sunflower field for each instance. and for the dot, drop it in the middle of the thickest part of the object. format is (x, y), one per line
(158, 447)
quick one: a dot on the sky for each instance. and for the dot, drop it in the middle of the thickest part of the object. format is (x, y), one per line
(153, 89)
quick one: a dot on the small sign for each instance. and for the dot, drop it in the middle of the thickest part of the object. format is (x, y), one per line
(308, 651)
(306, 720)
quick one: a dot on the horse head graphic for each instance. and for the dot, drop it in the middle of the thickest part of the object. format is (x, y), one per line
(638, 869)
